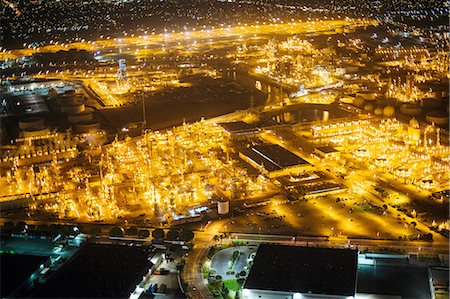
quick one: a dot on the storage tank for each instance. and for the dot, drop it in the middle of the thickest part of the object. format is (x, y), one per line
(389, 111)
(368, 107)
(35, 132)
(437, 117)
(87, 126)
(223, 207)
(367, 95)
(411, 109)
(430, 103)
(378, 111)
(80, 117)
(31, 123)
(69, 99)
(73, 108)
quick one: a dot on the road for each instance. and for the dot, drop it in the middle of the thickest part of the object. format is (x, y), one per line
(192, 272)
(414, 247)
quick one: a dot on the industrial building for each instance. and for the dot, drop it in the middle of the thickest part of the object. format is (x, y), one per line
(327, 152)
(296, 272)
(274, 160)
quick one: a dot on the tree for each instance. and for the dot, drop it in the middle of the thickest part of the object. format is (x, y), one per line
(42, 227)
(172, 234)
(116, 231)
(21, 225)
(132, 231)
(240, 282)
(144, 233)
(186, 235)
(95, 230)
(9, 225)
(225, 291)
(53, 228)
(158, 233)
(235, 255)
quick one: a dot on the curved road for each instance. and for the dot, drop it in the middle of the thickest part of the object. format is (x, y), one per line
(192, 273)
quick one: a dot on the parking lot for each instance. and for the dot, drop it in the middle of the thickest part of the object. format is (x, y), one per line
(221, 261)
(342, 214)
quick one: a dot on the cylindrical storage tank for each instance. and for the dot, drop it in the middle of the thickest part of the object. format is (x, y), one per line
(411, 109)
(35, 132)
(80, 117)
(368, 107)
(223, 207)
(90, 103)
(389, 111)
(66, 100)
(359, 101)
(378, 111)
(430, 103)
(73, 108)
(87, 126)
(31, 123)
(437, 117)
(367, 95)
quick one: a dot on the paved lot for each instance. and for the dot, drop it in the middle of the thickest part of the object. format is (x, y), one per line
(220, 261)
(350, 216)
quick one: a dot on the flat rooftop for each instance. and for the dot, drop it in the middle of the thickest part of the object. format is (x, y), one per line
(237, 126)
(312, 270)
(394, 278)
(98, 271)
(278, 155)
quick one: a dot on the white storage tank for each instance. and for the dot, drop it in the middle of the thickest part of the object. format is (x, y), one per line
(223, 207)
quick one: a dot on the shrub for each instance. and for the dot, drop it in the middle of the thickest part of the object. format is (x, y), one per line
(143, 233)
(186, 235)
(172, 235)
(116, 231)
(158, 233)
(132, 231)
